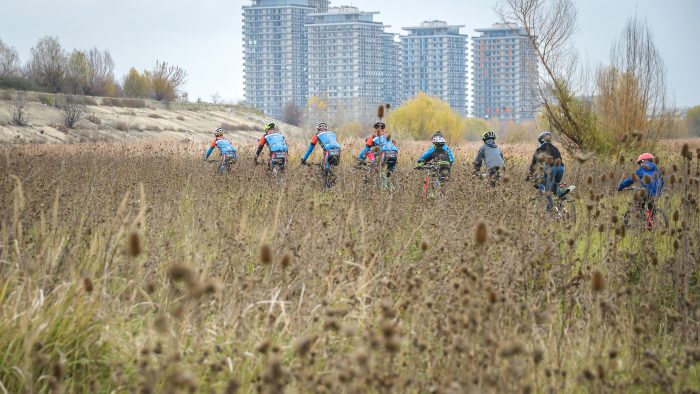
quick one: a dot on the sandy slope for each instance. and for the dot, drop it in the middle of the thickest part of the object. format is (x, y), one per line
(45, 125)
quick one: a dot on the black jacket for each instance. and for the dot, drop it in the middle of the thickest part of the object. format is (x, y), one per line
(544, 152)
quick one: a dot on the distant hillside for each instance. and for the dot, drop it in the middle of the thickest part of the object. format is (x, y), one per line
(110, 119)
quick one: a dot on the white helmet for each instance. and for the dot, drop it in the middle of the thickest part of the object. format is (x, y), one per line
(438, 140)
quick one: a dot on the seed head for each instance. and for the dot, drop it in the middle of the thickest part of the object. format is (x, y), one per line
(423, 246)
(87, 285)
(303, 344)
(265, 254)
(134, 244)
(480, 233)
(286, 261)
(597, 281)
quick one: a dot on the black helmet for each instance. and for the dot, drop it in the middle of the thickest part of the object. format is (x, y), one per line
(379, 125)
(489, 135)
(544, 136)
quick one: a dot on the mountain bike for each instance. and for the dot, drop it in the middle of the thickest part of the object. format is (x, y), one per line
(376, 176)
(276, 164)
(564, 204)
(435, 180)
(325, 173)
(225, 164)
(493, 175)
(643, 212)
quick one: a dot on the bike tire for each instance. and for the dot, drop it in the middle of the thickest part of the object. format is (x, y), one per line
(660, 219)
(568, 208)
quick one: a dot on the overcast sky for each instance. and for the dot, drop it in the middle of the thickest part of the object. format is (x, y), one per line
(204, 36)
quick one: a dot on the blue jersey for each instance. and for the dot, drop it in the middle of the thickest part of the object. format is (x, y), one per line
(225, 147)
(656, 181)
(275, 141)
(328, 142)
(384, 144)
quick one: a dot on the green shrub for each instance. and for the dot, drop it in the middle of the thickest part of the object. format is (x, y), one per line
(46, 99)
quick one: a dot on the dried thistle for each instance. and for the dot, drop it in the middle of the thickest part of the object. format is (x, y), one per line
(87, 285)
(265, 254)
(597, 281)
(286, 261)
(480, 233)
(134, 248)
(303, 344)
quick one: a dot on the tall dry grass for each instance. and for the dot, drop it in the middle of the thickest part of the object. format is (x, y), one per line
(134, 268)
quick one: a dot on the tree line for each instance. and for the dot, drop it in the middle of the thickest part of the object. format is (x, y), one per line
(90, 72)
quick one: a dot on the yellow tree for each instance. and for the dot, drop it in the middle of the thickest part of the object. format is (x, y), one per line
(423, 115)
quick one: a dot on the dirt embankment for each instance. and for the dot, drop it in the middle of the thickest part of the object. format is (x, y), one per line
(154, 121)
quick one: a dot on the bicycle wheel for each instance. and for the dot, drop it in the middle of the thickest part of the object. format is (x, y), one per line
(567, 210)
(633, 218)
(660, 219)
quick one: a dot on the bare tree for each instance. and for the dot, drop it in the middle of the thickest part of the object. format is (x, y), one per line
(18, 109)
(167, 81)
(48, 63)
(549, 26)
(101, 71)
(9, 62)
(292, 114)
(73, 111)
(632, 94)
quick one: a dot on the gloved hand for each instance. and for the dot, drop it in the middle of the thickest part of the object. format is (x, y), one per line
(419, 166)
(359, 163)
(303, 162)
(527, 178)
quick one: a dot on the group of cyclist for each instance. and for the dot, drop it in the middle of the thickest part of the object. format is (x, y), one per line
(546, 160)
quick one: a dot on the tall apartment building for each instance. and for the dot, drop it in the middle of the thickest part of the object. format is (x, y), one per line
(346, 61)
(392, 70)
(434, 57)
(504, 74)
(275, 45)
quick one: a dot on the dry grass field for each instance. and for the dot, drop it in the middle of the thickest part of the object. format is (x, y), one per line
(134, 268)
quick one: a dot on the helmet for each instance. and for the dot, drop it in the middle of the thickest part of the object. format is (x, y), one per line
(322, 125)
(544, 136)
(219, 132)
(489, 135)
(645, 157)
(438, 140)
(380, 125)
(269, 126)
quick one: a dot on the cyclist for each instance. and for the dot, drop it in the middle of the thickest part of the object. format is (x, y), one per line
(226, 149)
(549, 157)
(439, 153)
(329, 143)
(388, 150)
(649, 177)
(276, 143)
(490, 155)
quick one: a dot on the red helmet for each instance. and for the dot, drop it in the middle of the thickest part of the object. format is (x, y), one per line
(645, 156)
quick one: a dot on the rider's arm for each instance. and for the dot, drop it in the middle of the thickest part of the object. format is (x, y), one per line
(450, 155)
(312, 145)
(261, 145)
(211, 149)
(627, 182)
(364, 152)
(426, 156)
(479, 159)
(533, 164)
